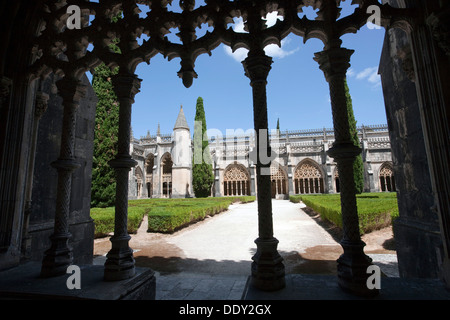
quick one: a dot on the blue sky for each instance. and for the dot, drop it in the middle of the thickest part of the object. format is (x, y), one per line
(297, 92)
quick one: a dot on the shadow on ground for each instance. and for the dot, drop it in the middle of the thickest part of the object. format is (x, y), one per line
(295, 263)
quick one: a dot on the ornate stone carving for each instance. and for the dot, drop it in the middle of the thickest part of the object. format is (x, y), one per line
(267, 266)
(59, 256)
(41, 104)
(353, 263)
(120, 262)
(439, 24)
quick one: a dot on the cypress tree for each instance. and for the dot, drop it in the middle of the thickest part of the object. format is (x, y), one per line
(358, 165)
(202, 174)
(103, 190)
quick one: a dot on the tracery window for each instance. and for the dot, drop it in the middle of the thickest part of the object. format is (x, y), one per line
(278, 179)
(166, 168)
(308, 179)
(236, 181)
(387, 181)
(336, 180)
(139, 181)
(149, 163)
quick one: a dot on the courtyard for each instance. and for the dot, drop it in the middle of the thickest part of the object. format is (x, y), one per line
(211, 259)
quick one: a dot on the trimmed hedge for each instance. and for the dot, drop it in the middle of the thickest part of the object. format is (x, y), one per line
(182, 212)
(375, 210)
(164, 215)
(104, 219)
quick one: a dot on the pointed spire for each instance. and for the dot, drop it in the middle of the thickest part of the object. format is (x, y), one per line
(158, 132)
(181, 122)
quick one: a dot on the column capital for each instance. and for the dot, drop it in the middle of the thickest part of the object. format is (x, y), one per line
(126, 85)
(334, 61)
(72, 90)
(257, 66)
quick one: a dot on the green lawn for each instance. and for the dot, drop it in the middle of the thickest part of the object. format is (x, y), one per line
(375, 210)
(164, 215)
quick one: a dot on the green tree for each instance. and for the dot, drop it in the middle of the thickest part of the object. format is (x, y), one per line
(202, 174)
(103, 190)
(358, 165)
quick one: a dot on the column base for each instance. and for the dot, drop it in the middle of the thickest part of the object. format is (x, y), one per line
(352, 270)
(58, 257)
(119, 263)
(267, 267)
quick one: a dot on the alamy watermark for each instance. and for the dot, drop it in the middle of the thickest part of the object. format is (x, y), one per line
(374, 280)
(74, 280)
(374, 20)
(262, 148)
(74, 19)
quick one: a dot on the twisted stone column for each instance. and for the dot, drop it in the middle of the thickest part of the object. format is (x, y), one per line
(59, 256)
(120, 262)
(267, 266)
(353, 263)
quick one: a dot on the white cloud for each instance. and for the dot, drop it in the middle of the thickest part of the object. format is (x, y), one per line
(272, 17)
(275, 51)
(370, 74)
(271, 50)
(238, 55)
(350, 72)
(238, 25)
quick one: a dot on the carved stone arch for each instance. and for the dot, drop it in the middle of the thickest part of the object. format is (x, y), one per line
(308, 177)
(138, 173)
(148, 166)
(336, 180)
(386, 177)
(279, 180)
(166, 175)
(236, 180)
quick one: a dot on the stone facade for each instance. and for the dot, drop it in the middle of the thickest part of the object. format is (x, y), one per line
(301, 164)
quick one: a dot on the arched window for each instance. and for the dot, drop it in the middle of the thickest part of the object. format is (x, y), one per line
(236, 181)
(278, 179)
(149, 164)
(166, 167)
(336, 180)
(308, 178)
(387, 181)
(139, 181)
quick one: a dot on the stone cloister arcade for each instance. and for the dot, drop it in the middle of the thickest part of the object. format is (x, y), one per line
(47, 48)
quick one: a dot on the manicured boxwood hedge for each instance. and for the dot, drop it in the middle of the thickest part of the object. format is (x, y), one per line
(164, 215)
(375, 210)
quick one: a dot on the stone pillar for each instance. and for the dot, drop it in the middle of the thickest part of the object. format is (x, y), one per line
(267, 267)
(431, 55)
(7, 216)
(40, 107)
(120, 262)
(353, 263)
(59, 256)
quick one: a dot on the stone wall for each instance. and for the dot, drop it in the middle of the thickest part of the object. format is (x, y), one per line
(45, 177)
(418, 241)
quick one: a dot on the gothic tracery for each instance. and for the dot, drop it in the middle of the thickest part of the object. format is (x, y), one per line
(236, 181)
(308, 178)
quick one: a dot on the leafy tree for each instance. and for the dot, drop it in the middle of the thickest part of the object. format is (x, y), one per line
(358, 165)
(103, 190)
(202, 174)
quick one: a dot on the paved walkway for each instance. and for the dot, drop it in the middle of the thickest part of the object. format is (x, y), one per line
(211, 259)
